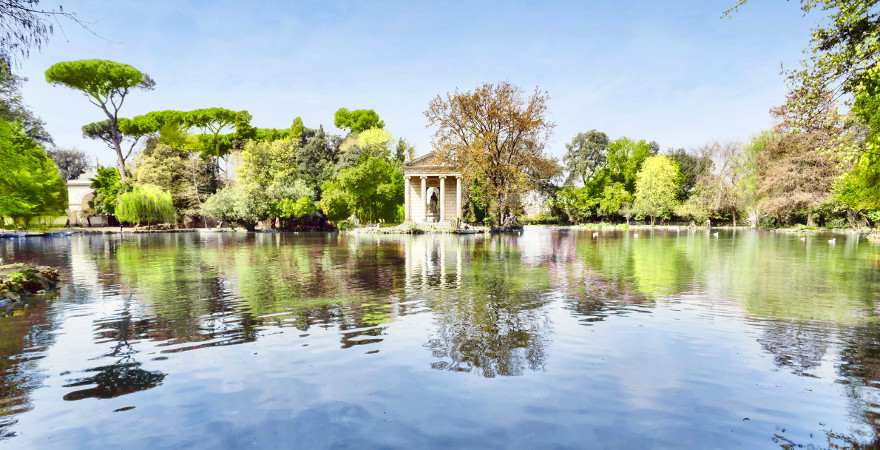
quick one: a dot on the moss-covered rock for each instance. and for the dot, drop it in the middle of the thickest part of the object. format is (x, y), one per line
(18, 280)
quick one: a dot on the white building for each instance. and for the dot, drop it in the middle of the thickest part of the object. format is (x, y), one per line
(432, 191)
(79, 194)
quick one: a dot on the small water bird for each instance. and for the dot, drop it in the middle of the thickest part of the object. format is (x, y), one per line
(595, 235)
(636, 235)
(715, 234)
(803, 238)
(832, 241)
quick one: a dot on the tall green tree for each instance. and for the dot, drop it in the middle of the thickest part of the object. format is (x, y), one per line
(316, 160)
(625, 159)
(614, 199)
(30, 184)
(585, 155)
(107, 187)
(372, 190)
(859, 189)
(357, 120)
(106, 84)
(177, 172)
(657, 188)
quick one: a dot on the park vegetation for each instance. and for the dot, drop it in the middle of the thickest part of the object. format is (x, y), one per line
(818, 165)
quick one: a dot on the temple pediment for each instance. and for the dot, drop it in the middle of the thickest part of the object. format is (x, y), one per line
(429, 163)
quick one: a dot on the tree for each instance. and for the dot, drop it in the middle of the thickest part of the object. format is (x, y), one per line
(295, 209)
(13, 109)
(495, 135)
(625, 159)
(374, 142)
(575, 202)
(106, 84)
(747, 165)
(238, 205)
(212, 122)
(316, 160)
(372, 190)
(358, 120)
(107, 187)
(692, 167)
(656, 188)
(614, 198)
(800, 165)
(71, 162)
(403, 151)
(30, 184)
(145, 204)
(795, 178)
(859, 189)
(175, 171)
(585, 155)
(24, 25)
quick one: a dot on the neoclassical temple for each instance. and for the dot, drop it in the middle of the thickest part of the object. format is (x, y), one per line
(432, 190)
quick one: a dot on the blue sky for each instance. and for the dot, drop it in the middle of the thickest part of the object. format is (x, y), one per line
(670, 71)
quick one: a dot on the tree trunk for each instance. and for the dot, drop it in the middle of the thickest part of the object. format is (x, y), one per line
(811, 221)
(652, 220)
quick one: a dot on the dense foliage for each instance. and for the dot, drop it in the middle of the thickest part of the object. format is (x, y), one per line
(371, 190)
(496, 136)
(146, 204)
(106, 187)
(656, 188)
(106, 84)
(30, 184)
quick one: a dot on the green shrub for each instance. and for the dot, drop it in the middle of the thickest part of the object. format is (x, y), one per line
(237, 205)
(107, 187)
(290, 209)
(145, 204)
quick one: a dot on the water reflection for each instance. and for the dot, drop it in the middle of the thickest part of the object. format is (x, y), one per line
(550, 311)
(492, 323)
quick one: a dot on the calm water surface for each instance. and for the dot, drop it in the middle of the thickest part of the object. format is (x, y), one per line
(546, 339)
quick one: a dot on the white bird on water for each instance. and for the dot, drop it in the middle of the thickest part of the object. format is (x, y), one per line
(715, 234)
(803, 238)
(832, 241)
(595, 235)
(636, 235)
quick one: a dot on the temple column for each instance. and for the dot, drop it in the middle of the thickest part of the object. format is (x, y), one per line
(442, 198)
(424, 198)
(406, 200)
(458, 197)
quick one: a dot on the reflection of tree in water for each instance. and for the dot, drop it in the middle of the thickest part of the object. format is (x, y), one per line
(796, 346)
(495, 323)
(224, 291)
(859, 369)
(651, 267)
(591, 295)
(124, 376)
(25, 333)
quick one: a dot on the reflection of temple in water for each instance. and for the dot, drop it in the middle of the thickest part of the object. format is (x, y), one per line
(434, 261)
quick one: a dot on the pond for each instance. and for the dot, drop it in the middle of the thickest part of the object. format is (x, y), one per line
(550, 338)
